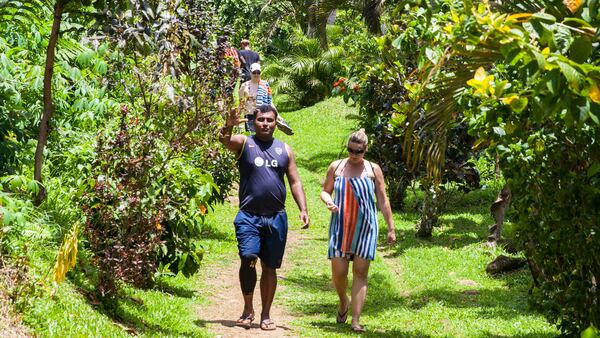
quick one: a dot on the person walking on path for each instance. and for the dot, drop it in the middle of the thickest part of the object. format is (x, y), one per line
(355, 183)
(247, 58)
(257, 92)
(261, 224)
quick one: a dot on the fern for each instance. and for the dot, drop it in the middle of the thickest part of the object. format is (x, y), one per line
(24, 12)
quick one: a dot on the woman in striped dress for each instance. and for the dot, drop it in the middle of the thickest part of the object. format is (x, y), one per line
(357, 186)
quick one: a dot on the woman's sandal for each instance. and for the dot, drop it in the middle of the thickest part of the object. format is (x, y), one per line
(341, 317)
(267, 325)
(245, 321)
(358, 328)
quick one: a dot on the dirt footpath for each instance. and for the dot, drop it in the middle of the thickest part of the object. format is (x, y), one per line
(226, 303)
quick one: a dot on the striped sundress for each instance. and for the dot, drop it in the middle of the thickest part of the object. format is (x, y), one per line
(353, 229)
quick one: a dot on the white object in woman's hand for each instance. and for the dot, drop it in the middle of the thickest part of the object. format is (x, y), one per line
(332, 207)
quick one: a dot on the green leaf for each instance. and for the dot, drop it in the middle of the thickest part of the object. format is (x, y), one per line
(571, 74)
(593, 169)
(541, 60)
(544, 17)
(581, 49)
(519, 105)
(590, 332)
(75, 74)
(101, 67)
(397, 43)
(85, 58)
(578, 21)
(594, 117)
(499, 131)
(553, 81)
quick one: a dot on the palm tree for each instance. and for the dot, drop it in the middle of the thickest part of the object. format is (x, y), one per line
(307, 73)
(312, 15)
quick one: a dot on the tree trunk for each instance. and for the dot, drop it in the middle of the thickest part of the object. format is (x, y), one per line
(498, 211)
(430, 212)
(311, 29)
(48, 106)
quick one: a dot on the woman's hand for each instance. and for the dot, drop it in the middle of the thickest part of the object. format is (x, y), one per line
(332, 207)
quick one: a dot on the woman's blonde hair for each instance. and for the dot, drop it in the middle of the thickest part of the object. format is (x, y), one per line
(359, 137)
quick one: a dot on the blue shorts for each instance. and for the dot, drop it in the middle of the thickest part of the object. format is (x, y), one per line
(262, 236)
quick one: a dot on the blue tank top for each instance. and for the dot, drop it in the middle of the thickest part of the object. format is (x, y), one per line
(262, 167)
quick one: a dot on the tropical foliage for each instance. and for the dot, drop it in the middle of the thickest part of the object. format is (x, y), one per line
(532, 99)
(305, 72)
(152, 83)
(146, 200)
(119, 101)
(383, 89)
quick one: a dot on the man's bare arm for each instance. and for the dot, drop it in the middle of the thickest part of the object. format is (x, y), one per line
(297, 188)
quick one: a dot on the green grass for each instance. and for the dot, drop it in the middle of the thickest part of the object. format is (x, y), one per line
(415, 288)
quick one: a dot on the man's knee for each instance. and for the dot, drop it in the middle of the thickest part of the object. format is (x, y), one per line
(249, 260)
(248, 274)
(267, 269)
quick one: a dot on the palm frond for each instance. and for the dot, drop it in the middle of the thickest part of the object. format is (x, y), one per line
(301, 65)
(433, 110)
(333, 53)
(274, 70)
(372, 10)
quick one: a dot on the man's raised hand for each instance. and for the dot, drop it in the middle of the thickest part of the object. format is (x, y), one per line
(233, 118)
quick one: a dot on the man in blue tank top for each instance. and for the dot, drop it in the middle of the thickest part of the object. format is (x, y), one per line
(261, 223)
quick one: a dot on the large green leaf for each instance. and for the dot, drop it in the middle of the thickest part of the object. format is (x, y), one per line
(580, 49)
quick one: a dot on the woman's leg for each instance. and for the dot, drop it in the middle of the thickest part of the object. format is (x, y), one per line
(360, 271)
(339, 274)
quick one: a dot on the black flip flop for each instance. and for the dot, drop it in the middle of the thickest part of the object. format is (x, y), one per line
(341, 317)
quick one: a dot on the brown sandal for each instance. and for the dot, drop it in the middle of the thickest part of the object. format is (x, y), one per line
(358, 328)
(267, 325)
(245, 321)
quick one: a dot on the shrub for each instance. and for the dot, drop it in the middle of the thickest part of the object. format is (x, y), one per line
(384, 88)
(533, 96)
(147, 199)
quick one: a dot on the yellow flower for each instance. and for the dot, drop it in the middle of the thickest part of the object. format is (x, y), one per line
(595, 93)
(573, 5)
(481, 82)
(509, 99)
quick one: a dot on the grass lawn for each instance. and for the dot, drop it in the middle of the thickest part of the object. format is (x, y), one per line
(429, 288)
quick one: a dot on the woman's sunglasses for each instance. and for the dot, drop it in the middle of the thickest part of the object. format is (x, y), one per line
(256, 72)
(356, 151)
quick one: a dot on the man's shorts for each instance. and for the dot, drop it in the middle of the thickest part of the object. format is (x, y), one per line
(262, 236)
